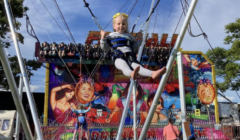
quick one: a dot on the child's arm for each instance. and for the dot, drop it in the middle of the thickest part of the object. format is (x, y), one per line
(103, 42)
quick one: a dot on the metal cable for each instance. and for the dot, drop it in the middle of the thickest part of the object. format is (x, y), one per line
(130, 6)
(55, 20)
(32, 33)
(65, 23)
(52, 41)
(150, 14)
(138, 17)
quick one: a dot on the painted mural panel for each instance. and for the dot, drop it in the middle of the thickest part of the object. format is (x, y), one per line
(198, 81)
(105, 96)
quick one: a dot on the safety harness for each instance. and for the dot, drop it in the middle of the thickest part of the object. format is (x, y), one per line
(129, 57)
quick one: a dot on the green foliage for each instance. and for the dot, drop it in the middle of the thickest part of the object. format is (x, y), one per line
(18, 11)
(227, 61)
(31, 65)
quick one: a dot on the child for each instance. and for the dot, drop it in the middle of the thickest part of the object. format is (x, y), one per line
(123, 44)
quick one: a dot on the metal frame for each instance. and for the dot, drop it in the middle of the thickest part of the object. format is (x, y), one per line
(14, 92)
(169, 67)
(24, 74)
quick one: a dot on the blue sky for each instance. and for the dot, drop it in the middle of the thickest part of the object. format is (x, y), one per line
(212, 16)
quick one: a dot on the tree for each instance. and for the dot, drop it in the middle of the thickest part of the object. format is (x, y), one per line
(227, 60)
(18, 11)
(30, 66)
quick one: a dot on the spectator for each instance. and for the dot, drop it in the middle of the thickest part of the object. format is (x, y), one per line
(170, 132)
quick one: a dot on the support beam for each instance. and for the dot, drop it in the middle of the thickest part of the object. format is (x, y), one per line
(169, 67)
(24, 74)
(182, 92)
(14, 92)
(17, 128)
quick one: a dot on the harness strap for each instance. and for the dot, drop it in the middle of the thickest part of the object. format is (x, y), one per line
(120, 42)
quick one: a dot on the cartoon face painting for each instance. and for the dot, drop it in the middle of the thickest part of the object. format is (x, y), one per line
(206, 93)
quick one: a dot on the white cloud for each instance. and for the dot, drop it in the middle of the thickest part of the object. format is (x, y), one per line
(221, 99)
(33, 88)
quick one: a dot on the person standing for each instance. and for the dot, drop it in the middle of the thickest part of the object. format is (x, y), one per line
(170, 132)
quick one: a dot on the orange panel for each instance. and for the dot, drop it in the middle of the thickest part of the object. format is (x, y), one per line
(163, 40)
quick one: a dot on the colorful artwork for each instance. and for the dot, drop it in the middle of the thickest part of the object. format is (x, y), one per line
(152, 134)
(197, 76)
(106, 95)
(206, 92)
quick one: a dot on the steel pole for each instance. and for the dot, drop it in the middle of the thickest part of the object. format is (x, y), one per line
(124, 114)
(139, 56)
(182, 93)
(134, 111)
(169, 67)
(20, 88)
(14, 91)
(23, 71)
(133, 81)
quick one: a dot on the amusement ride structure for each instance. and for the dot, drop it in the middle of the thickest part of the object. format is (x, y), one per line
(114, 107)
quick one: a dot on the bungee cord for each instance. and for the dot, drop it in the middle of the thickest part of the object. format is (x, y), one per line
(94, 18)
(130, 6)
(31, 32)
(138, 17)
(149, 15)
(97, 66)
(64, 21)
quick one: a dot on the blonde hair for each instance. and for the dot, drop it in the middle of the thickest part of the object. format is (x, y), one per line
(121, 15)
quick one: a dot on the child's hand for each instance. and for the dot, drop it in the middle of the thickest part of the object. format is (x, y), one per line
(140, 35)
(103, 34)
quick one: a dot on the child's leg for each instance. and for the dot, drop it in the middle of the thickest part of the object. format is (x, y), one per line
(143, 71)
(124, 67)
(148, 73)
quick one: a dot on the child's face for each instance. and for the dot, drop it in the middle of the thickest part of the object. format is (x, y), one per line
(120, 25)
